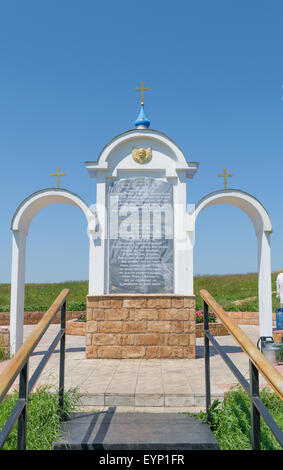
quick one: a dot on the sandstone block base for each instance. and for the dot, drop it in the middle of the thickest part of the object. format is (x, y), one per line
(140, 326)
(75, 327)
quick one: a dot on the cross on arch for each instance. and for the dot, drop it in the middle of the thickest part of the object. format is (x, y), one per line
(58, 174)
(225, 175)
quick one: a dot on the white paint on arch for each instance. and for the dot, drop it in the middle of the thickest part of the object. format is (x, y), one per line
(263, 228)
(20, 226)
(244, 201)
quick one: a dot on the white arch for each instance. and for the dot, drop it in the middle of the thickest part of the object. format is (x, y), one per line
(147, 134)
(116, 156)
(263, 227)
(30, 206)
(249, 204)
(20, 226)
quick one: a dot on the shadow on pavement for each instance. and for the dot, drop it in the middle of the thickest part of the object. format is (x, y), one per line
(57, 351)
(213, 352)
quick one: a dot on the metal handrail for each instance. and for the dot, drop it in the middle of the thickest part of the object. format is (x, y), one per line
(269, 372)
(19, 365)
(257, 363)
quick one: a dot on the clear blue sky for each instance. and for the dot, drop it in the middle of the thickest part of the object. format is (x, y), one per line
(67, 86)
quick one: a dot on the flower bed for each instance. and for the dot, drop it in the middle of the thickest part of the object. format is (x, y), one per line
(199, 317)
(216, 329)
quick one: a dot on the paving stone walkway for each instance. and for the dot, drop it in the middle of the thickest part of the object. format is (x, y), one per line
(141, 384)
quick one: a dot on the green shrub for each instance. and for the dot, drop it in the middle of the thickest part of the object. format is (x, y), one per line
(4, 308)
(231, 420)
(78, 305)
(43, 424)
(4, 352)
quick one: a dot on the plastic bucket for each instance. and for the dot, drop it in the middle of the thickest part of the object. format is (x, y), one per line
(272, 352)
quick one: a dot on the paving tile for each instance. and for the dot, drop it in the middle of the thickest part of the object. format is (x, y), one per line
(140, 383)
(95, 387)
(148, 388)
(121, 388)
(178, 389)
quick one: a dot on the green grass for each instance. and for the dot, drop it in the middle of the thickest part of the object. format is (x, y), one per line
(231, 420)
(228, 288)
(225, 289)
(39, 297)
(43, 425)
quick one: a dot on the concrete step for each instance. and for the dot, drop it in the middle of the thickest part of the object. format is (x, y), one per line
(135, 431)
(148, 399)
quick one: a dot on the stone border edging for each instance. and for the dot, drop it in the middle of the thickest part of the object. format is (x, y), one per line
(32, 318)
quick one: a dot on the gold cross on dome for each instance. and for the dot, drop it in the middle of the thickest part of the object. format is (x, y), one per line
(58, 174)
(142, 89)
(225, 175)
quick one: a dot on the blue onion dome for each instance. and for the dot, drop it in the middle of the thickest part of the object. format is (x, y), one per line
(142, 122)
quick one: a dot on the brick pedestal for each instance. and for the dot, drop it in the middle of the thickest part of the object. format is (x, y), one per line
(140, 326)
(277, 335)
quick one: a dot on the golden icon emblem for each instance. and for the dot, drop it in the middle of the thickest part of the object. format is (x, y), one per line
(142, 155)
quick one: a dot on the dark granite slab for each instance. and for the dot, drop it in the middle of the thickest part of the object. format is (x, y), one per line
(141, 259)
(135, 431)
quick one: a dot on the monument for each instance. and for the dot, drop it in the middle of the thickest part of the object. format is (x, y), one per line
(141, 233)
(143, 304)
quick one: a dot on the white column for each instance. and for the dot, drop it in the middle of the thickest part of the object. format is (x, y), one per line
(17, 290)
(91, 275)
(264, 284)
(190, 232)
(100, 242)
(183, 270)
(191, 240)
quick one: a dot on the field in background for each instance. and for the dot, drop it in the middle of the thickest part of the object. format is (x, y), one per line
(228, 290)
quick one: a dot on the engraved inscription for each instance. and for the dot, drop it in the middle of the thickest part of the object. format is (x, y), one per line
(140, 236)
